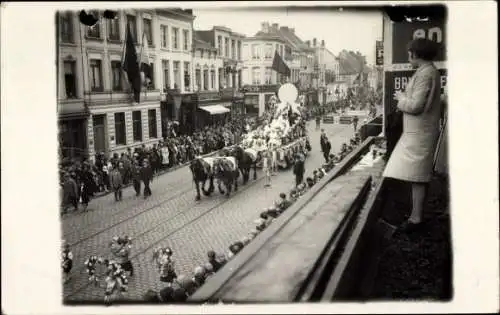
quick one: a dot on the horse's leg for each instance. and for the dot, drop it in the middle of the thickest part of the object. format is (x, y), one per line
(236, 175)
(205, 192)
(219, 184)
(229, 187)
(255, 171)
(197, 184)
(211, 187)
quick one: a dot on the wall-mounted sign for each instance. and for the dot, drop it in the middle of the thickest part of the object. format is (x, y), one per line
(404, 32)
(397, 81)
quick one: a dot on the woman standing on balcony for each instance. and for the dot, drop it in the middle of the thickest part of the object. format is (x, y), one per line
(420, 105)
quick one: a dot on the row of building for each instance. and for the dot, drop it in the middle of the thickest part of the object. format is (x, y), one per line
(198, 76)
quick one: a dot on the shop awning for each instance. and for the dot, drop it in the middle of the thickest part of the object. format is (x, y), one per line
(215, 109)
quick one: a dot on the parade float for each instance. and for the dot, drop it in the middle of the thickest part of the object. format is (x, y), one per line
(283, 132)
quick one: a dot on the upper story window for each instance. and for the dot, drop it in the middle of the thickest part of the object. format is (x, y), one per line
(255, 51)
(269, 51)
(185, 35)
(164, 36)
(66, 24)
(219, 45)
(175, 37)
(114, 29)
(132, 25)
(148, 32)
(226, 47)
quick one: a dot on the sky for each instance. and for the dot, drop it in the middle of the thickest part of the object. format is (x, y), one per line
(340, 29)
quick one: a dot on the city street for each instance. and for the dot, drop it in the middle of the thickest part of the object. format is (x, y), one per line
(172, 217)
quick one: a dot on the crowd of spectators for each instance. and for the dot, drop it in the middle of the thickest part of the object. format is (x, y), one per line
(186, 285)
(174, 150)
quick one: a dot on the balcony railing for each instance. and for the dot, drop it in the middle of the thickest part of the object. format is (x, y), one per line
(108, 97)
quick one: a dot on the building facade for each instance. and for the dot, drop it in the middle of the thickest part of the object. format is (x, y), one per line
(229, 49)
(259, 79)
(90, 73)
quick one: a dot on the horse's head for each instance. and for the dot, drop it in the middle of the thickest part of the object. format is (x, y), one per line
(196, 166)
(237, 152)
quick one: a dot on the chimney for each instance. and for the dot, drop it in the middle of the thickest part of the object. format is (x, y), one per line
(322, 43)
(308, 42)
(314, 42)
(275, 26)
(265, 27)
(292, 29)
(284, 28)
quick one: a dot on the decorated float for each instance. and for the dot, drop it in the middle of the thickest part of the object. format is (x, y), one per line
(283, 132)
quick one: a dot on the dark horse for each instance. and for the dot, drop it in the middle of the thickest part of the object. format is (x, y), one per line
(201, 173)
(245, 163)
(227, 173)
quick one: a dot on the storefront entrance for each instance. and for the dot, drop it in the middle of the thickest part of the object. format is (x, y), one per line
(72, 138)
(99, 123)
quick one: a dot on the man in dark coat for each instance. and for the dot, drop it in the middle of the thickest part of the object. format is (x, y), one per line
(325, 146)
(70, 193)
(355, 120)
(298, 170)
(136, 177)
(116, 180)
(147, 177)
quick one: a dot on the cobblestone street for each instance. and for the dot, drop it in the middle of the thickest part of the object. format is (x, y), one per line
(172, 217)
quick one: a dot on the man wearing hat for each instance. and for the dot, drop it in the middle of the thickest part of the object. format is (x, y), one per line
(147, 177)
(298, 169)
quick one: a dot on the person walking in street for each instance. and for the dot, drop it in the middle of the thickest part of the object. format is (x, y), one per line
(412, 158)
(70, 193)
(355, 120)
(318, 121)
(325, 146)
(298, 170)
(266, 166)
(136, 177)
(147, 177)
(116, 183)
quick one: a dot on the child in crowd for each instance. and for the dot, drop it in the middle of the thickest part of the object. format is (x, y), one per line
(67, 261)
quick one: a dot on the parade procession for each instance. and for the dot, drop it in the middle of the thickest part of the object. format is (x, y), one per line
(279, 145)
(237, 157)
(199, 147)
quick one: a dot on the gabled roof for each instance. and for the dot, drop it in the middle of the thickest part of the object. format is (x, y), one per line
(289, 37)
(267, 36)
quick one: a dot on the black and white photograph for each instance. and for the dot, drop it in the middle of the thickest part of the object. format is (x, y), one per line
(253, 155)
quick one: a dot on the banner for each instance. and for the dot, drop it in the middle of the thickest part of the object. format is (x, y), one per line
(405, 32)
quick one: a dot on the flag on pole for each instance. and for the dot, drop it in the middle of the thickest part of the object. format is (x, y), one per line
(131, 67)
(146, 71)
(279, 65)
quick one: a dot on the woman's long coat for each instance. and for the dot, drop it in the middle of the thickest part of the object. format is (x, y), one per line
(412, 157)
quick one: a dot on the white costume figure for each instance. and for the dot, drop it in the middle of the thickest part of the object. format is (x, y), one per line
(116, 280)
(162, 257)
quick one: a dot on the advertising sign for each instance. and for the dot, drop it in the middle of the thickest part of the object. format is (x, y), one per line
(404, 32)
(397, 81)
(379, 53)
